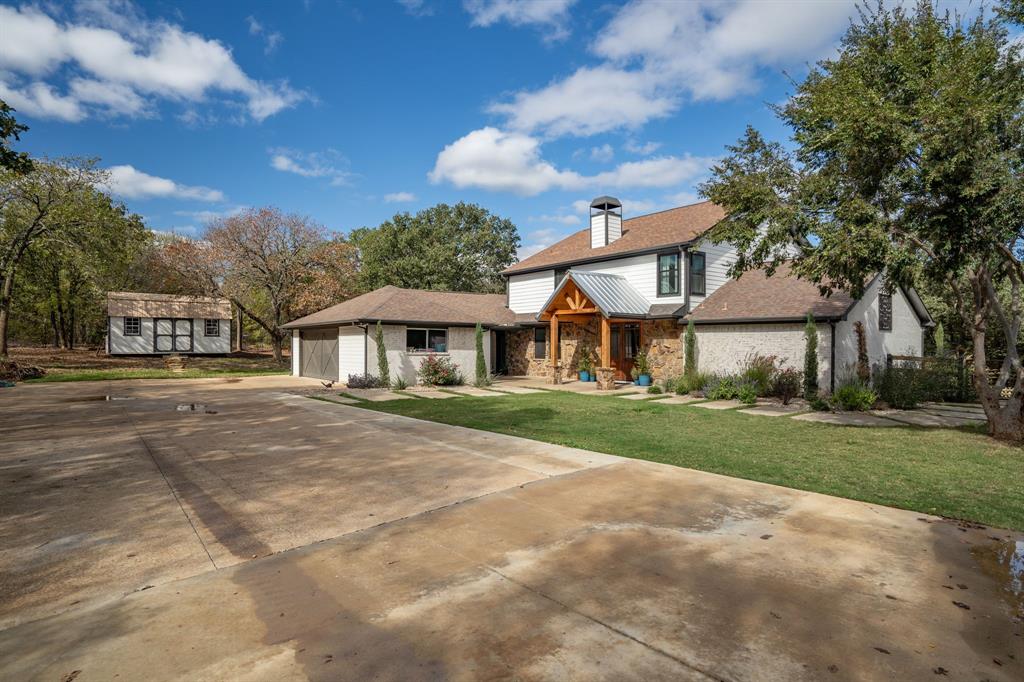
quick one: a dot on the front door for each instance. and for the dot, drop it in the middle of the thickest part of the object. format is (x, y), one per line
(499, 354)
(172, 335)
(625, 345)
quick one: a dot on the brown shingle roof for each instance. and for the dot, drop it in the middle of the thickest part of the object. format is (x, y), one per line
(392, 304)
(652, 231)
(755, 297)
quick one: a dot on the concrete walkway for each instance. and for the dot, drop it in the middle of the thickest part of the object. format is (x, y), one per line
(270, 536)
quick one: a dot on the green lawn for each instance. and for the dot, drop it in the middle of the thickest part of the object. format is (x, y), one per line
(959, 473)
(144, 373)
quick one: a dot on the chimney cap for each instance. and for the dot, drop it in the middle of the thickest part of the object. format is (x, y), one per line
(606, 202)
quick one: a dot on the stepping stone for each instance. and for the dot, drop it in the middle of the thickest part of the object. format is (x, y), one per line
(474, 391)
(919, 418)
(846, 419)
(720, 404)
(376, 395)
(679, 400)
(430, 394)
(340, 399)
(772, 410)
(517, 390)
(638, 396)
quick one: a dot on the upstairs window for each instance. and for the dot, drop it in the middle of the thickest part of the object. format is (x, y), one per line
(885, 312)
(559, 274)
(133, 326)
(540, 343)
(668, 274)
(426, 340)
(697, 273)
(212, 328)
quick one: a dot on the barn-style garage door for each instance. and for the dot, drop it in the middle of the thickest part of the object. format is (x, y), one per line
(318, 353)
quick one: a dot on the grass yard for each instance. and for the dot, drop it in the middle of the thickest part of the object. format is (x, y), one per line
(959, 473)
(93, 365)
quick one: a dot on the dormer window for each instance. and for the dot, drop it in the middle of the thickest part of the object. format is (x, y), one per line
(668, 274)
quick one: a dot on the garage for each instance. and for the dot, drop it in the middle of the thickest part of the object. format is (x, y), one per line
(319, 353)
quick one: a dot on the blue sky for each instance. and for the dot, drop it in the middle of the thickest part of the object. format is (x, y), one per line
(352, 111)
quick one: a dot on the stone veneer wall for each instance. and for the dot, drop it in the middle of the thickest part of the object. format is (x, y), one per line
(661, 338)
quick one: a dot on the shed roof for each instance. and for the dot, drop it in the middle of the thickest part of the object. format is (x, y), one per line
(642, 233)
(139, 304)
(412, 306)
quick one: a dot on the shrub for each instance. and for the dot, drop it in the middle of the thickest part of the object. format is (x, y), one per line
(854, 396)
(747, 394)
(690, 346)
(693, 382)
(760, 371)
(819, 403)
(483, 378)
(586, 362)
(640, 365)
(439, 370)
(383, 371)
(364, 381)
(721, 388)
(863, 368)
(811, 359)
(399, 384)
(12, 371)
(901, 387)
(654, 389)
(786, 384)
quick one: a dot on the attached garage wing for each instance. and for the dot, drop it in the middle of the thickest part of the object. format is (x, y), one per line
(318, 353)
(352, 351)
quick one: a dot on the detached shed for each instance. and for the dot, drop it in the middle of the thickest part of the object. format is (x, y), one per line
(154, 324)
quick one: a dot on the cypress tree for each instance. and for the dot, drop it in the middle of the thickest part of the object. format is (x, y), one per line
(482, 378)
(811, 359)
(383, 371)
(690, 344)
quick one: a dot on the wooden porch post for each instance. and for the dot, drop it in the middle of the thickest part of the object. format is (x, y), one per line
(606, 342)
(556, 369)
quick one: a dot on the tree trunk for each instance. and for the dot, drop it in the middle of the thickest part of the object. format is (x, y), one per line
(53, 326)
(1007, 423)
(278, 339)
(238, 329)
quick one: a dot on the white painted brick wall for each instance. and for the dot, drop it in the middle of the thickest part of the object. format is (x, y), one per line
(724, 349)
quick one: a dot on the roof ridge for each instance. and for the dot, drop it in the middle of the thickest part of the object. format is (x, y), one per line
(666, 210)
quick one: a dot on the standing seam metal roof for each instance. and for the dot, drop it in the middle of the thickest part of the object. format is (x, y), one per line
(612, 294)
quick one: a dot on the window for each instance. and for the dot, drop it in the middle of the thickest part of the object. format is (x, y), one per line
(559, 274)
(540, 343)
(668, 274)
(212, 328)
(885, 312)
(133, 326)
(426, 340)
(697, 272)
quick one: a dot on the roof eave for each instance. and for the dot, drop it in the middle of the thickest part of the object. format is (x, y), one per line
(598, 259)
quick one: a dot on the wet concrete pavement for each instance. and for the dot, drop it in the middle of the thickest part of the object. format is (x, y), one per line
(279, 537)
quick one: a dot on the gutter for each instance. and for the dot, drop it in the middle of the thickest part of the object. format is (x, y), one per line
(832, 359)
(599, 259)
(761, 320)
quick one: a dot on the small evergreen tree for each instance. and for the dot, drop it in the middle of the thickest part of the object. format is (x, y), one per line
(482, 377)
(383, 371)
(811, 359)
(690, 345)
(863, 363)
(940, 341)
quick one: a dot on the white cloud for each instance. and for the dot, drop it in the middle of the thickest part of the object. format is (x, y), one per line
(205, 217)
(552, 16)
(604, 153)
(399, 197)
(641, 148)
(39, 99)
(656, 54)
(271, 39)
(511, 162)
(310, 164)
(417, 8)
(538, 240)
(128, 182)
(135, 61)
(563, 219)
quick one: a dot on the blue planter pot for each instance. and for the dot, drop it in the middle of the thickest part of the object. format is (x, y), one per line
(643, 380)
(584, 376)
(593, 377)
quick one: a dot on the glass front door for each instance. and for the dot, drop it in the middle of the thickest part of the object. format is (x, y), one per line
(625, 344)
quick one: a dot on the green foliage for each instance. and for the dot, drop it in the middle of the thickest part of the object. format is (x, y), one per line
(760, 372)
(439, 370)
(641, 367)
(10, 129)
(854, 396)
(730, 388)
(693, 383)
(818, 403)
(690, 348)
(747, 394)
(863, 365)
(365, 381)
(483, 378)
(443, 248)
(811, 358)
(940, 340)
(383, 371)
(654, 389)
(786, 384)
(902, 387)
(399, 383)
(586, 361)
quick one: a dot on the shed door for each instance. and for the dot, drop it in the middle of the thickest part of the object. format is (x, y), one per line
(318, 352)
(172, 335)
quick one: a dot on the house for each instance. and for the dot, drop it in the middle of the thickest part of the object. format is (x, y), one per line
(613, 289)
(157, 324)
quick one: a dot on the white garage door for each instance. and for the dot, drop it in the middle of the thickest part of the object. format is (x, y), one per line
(351, 352)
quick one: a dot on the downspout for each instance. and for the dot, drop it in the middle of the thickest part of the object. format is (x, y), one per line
(832, 359)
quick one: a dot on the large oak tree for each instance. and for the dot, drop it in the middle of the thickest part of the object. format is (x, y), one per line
(907, 157)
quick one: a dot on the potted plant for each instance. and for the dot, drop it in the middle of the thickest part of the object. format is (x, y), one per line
(641, 370)
(586, 365)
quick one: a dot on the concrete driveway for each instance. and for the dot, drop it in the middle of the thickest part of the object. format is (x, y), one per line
(216, 529)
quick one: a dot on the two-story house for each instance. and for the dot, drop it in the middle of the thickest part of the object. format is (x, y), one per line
(613, 289)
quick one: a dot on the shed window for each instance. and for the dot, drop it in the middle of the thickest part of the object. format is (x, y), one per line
(885, 312)
(133, 326)
(426, 340)
(697, 273)
(668, 274)
(212, 328)
(540, 343)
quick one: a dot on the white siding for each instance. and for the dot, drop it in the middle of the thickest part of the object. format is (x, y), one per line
(119, 344)
(351, 351)
(211, 344)
(904, 339)
(461, 350)
(640, 271)
(527, 293)
(718, 259)
(296, 354)
(724, 349)
(614, 227)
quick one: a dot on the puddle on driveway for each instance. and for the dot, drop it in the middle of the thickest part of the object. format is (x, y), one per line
(194, 407)
(1004, 561)
(94, 398)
